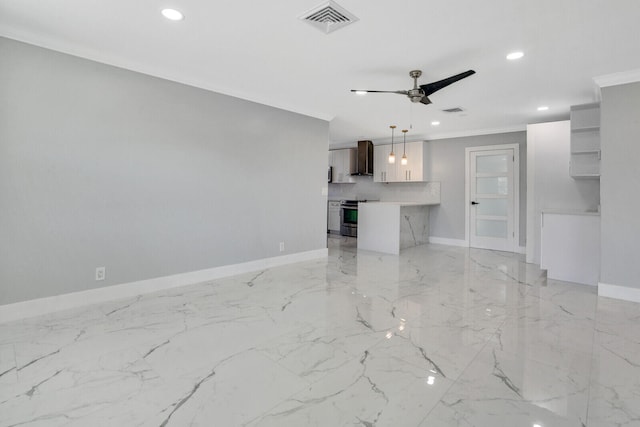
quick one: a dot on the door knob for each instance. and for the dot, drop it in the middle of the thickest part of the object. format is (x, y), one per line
(475, 203)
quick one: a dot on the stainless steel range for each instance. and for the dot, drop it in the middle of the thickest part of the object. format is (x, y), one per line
(349, 218)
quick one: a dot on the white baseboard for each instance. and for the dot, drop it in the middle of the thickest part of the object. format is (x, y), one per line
(464, 244)
(618, 292)
(448, 242)
(40, 306)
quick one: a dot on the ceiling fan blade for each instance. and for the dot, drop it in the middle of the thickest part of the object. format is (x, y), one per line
(425, 100)
(430, 88)
(399, 92)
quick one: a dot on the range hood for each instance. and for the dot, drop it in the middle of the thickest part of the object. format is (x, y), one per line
(364, 158)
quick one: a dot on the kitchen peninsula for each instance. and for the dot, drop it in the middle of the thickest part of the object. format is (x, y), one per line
(391, 226)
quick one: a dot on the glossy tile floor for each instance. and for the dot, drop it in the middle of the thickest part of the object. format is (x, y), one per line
(439, 336)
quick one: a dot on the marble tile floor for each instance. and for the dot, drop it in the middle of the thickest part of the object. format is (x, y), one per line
(438, 336)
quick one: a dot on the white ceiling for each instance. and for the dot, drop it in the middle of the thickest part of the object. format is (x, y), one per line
(262, 52)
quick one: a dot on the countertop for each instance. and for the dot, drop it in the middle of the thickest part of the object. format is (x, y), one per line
(403, 203)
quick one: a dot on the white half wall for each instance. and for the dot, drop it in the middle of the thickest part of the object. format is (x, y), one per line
(549, 185)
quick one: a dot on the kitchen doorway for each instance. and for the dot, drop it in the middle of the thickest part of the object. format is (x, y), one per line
(492, 199)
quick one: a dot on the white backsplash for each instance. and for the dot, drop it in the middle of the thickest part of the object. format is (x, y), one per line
(365, 188)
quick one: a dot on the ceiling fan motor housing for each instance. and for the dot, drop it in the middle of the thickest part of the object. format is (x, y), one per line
(416, 94)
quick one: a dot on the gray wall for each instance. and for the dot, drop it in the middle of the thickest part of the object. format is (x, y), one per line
(620, 185)
(101, 166)
(448, 166)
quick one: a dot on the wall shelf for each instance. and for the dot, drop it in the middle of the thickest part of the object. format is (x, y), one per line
(585, 141)
(586, 176)
(586, 129)
(585, 152)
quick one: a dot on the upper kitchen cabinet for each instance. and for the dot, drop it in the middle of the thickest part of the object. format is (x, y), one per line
(343, 163)
(585, 141)
(417, 167)
(383, 171)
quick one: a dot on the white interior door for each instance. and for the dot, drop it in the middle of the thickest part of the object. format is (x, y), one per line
(492, 202)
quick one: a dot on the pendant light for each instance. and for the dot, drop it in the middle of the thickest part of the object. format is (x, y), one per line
(392, 156)
(404, 148)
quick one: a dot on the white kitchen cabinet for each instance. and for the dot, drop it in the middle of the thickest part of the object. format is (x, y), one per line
(585, 141)
(383, 171)
(333, 217)
(416, 169)
(343, 163)
(417, 162)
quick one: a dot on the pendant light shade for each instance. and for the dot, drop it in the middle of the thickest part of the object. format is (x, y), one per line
(392, 156)
(404, 148)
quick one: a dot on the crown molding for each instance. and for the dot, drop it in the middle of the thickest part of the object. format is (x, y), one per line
(477, 132)
(616, 79)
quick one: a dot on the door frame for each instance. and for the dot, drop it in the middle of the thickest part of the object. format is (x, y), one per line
(516, 190)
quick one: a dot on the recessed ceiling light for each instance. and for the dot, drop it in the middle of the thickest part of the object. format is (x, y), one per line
(515, 55)
(172, 14)
(360, 92)
(435, 123)
(543, 108)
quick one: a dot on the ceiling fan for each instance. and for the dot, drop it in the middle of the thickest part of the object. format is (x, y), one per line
(421, 93)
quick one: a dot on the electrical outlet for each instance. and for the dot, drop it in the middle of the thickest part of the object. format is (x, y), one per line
(281, 246)
(101, 273)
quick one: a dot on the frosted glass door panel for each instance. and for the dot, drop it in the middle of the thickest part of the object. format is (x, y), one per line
(492, 164)
(493, 207)
(491, 198)
(493, 185)
(492, 228)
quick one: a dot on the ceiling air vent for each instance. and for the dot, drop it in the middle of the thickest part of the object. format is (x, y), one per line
(328, 17)
(453, 110)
